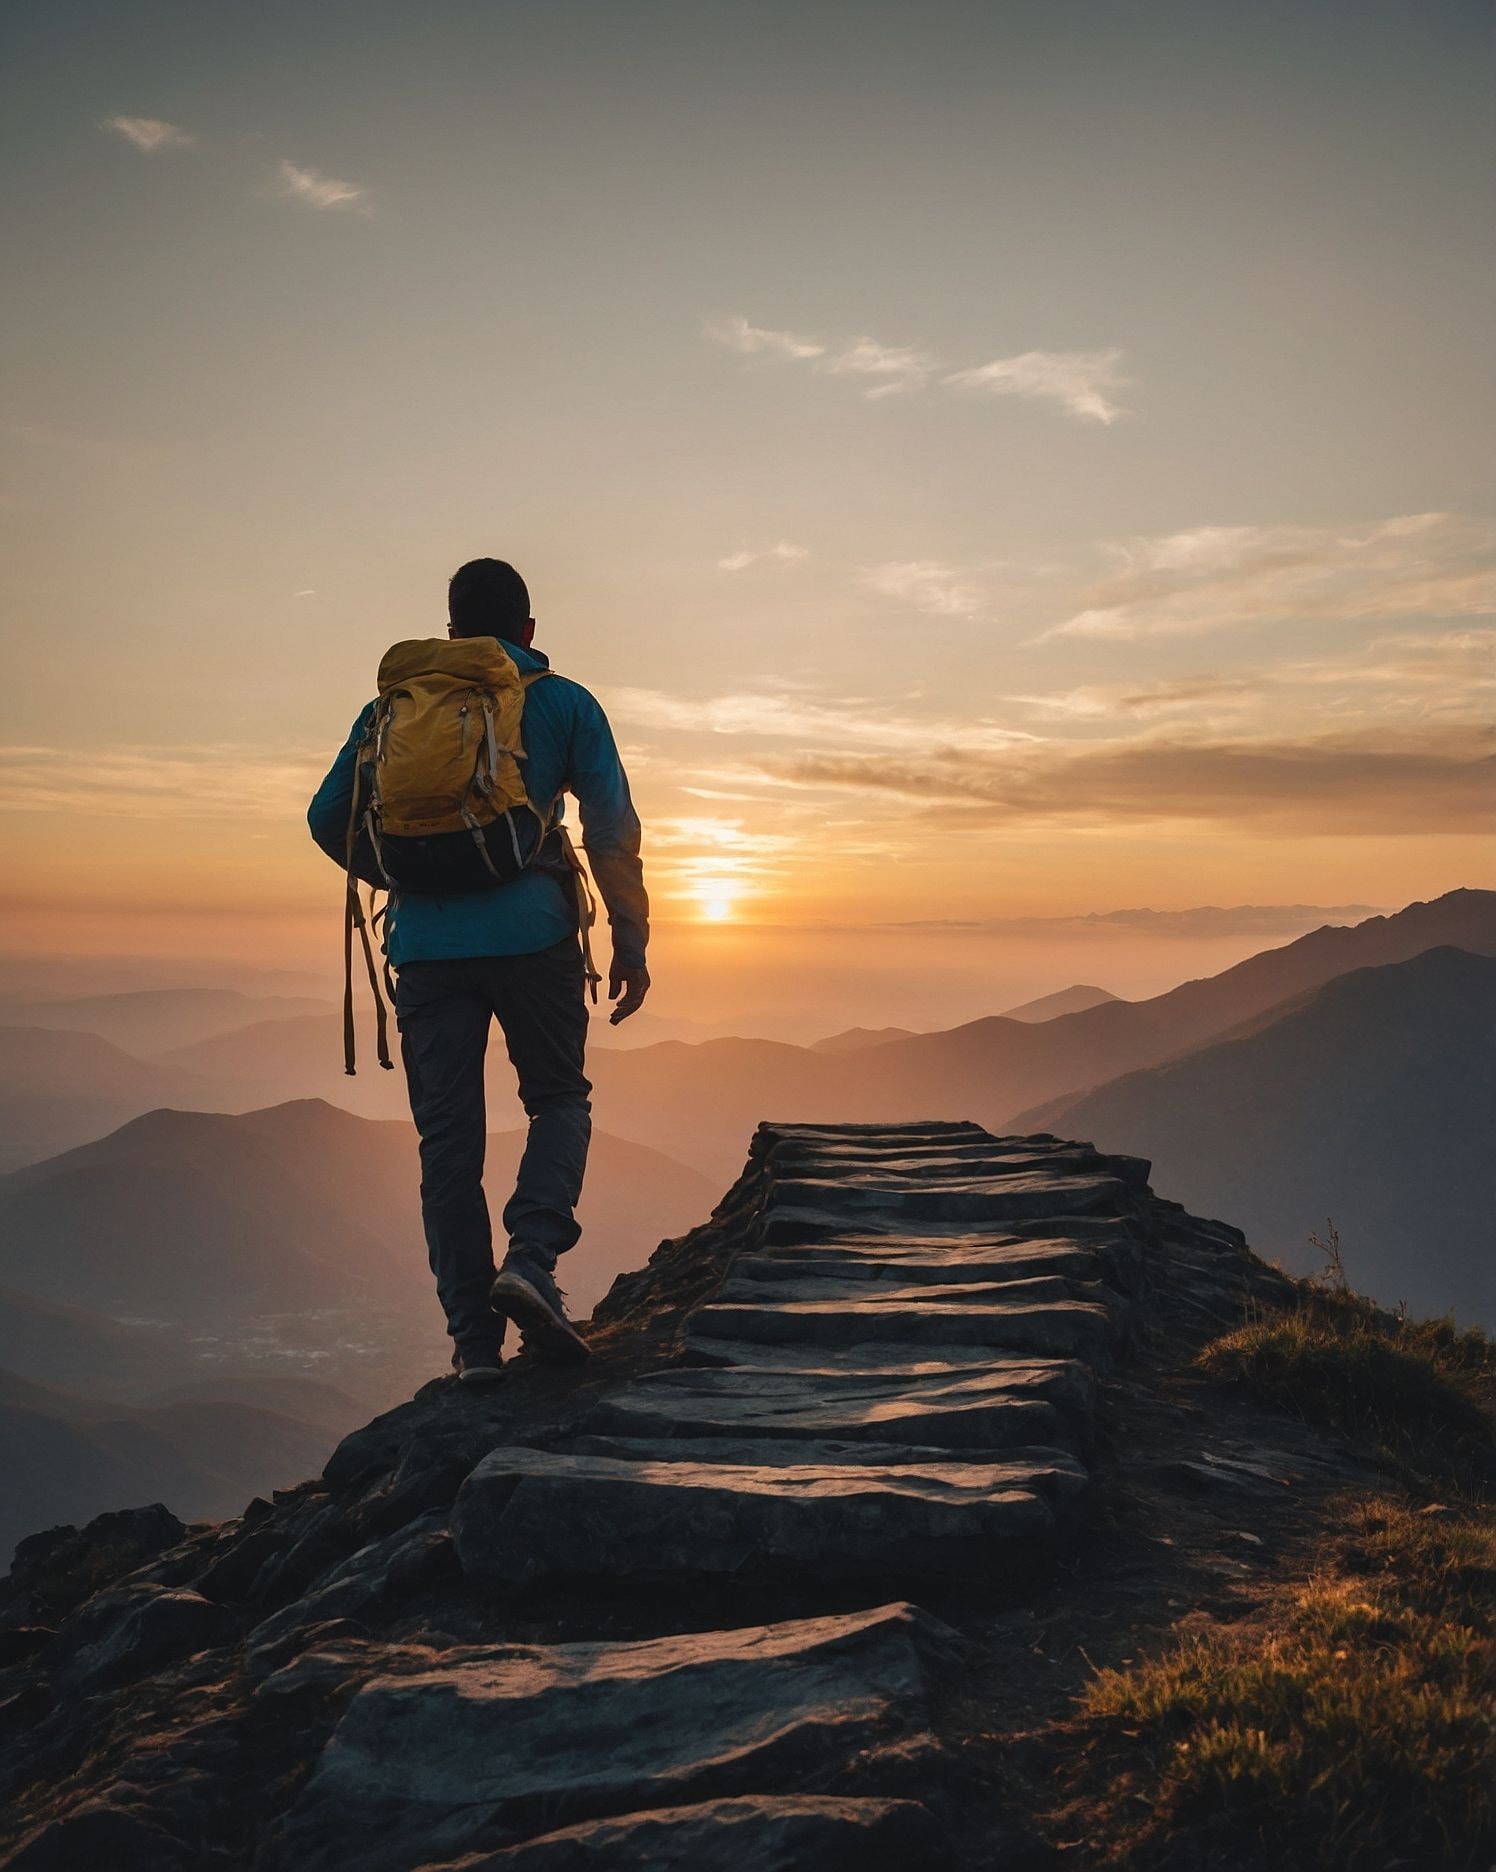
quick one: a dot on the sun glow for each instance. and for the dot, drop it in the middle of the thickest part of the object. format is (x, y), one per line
(716, 899)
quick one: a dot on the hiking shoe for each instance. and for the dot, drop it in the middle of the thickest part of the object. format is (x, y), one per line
(529, 1296)
(478, 1369)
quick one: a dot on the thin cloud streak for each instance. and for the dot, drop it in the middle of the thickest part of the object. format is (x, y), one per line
(321, 192)
(1214, 578)
(842, 722)
(1363, 782)
(1081, 382)
(783, 552)
(149, 134)
(148, 782)
(926, 585)
(738, 335)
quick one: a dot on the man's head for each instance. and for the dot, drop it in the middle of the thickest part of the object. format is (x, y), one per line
(488, 598)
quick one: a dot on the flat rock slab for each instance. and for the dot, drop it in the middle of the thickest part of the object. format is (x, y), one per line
(927, 1259)
(487, 1751)
(1052, 1473)
(959, 1199)
(527, 1515)
(1034, 1290)
(795, 1224)
(1067, 1328)
(869, 1359)
(961, 1409)
(755, 1833)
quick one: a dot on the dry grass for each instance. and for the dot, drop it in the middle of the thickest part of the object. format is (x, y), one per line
(1419, 1391)
(1350, 1727)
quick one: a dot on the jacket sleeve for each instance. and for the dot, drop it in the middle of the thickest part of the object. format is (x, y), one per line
(327, 815)
(610, 831)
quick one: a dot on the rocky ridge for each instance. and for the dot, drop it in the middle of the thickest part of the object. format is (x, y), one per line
(713, 1604)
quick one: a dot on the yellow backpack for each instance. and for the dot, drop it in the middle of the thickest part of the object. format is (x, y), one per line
(439, 803)
(443, 803)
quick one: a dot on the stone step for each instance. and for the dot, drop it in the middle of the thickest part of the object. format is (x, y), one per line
(753, 1833)
(913, 1258)
(1058, 1328)
(497, 1746)
(524, 1516)
(952, 1413)
(1068, 1383)
(1034, 1290)
(1053, 1473)
(1025, 1195)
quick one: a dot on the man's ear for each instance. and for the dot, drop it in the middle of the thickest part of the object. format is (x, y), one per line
(527, 634)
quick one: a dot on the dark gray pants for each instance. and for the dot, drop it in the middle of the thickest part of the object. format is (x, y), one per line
(444, 1010)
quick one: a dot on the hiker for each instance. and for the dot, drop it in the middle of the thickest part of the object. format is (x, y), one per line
(487, 918)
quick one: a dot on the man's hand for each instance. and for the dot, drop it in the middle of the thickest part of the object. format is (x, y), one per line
(632, 984)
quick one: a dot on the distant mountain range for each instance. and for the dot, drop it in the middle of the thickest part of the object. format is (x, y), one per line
(1370, 1100)
(197, 1217)
(151, 1021)
(68, 1458)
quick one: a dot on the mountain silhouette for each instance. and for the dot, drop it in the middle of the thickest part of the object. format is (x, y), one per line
(702, 1097)
(201, 1218)
(1072, 1000)
(58, 1089)
(154, 1020)
(69, 1457)
(1371, 1100)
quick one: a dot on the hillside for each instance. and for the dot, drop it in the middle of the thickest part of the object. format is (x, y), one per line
(844, 1552)
(1371, 1100)
(58, 1089)
(69, 1458)
(306, 1207)
(155, 1020)
(1073, 1000)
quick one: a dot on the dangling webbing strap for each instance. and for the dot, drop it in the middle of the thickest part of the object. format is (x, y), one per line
(586, 909)
(353, 918)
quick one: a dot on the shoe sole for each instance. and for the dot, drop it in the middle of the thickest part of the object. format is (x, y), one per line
(544, 1330)
(481, 1377)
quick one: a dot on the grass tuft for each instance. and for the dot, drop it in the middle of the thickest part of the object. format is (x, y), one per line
(1418, 1390)
(1352, 1731)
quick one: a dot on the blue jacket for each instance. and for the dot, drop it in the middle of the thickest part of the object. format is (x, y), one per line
(569, 747)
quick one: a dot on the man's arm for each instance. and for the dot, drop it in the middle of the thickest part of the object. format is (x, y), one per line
(610, 838)
(327, 815)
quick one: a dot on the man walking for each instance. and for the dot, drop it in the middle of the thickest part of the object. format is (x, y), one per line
(512, 953)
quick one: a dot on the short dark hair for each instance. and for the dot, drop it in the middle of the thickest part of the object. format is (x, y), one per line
(488, 598)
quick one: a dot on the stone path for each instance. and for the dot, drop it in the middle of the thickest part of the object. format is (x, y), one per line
(886, 1391)
(893, 1381)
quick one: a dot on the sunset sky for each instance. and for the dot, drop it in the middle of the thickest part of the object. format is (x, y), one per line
(997, 463)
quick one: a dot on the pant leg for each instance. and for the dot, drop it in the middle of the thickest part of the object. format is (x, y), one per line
(540, 1001)
(444, 1014)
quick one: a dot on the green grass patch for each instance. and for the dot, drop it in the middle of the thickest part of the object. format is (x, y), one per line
(1419, 1391)
(1351, 1730)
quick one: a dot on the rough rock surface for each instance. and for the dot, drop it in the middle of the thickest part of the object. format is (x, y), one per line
(655, 1614)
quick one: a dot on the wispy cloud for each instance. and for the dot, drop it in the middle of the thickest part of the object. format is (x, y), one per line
(893, 368)
(316, 190)
(1081, 382)
(1211, 578)
(1365, 782)
(149, 133)
(148, 782)
(846, 721)
(1423, 673)
(738, 335)
(783, 552)
(925, 585)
